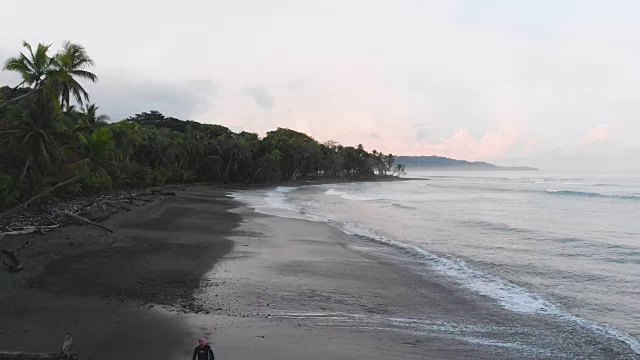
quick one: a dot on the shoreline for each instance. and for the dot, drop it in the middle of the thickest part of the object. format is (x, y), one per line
(100, 207)
(202, 264)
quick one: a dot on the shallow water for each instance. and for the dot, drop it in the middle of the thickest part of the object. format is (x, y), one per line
(566, 246)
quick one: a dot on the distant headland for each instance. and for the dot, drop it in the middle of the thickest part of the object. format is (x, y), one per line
(443, 163)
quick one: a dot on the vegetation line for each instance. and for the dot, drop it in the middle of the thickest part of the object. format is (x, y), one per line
(49, 132)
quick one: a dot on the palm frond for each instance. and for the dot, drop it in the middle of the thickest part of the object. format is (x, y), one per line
(87, 75)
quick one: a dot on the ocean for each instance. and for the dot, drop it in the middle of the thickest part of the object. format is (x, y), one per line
(565, 246)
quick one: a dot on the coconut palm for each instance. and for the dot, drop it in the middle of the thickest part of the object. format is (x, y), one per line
(34, 67)
(35, 131)
(97, 151)
(127, 136)
(92, 117)
(88, 119)
(71, 64)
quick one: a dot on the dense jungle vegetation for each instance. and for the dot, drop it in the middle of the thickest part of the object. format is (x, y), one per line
(51, 135)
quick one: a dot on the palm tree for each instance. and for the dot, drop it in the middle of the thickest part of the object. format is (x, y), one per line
(71, 63)
(127, 136)
(88, 119)
(35, 131)
(35, 68)
(97, 151)
(92, 117)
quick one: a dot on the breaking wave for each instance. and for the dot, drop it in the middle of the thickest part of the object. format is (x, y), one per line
(591, 194)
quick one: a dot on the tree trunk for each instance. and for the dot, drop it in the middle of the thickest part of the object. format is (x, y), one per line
(24, 171)
(18, 98)
(26, 203)
(256, 173)
(226, 176)
(80, 218)
(19, 355)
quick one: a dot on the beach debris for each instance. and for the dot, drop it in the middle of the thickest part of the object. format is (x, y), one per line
(80, 218)
(67, 353)
(42, 217)
(13, 263)
(26, 203)
(29, 230)
(19, 355)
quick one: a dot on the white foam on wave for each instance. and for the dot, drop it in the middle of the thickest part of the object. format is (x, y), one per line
(345, 195)
(604, 330)
(271, 202)
(510, 296)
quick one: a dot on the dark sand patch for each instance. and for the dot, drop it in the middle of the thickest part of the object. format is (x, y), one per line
(99, 286)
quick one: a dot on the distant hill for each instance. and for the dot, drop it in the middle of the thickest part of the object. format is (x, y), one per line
(443, 163)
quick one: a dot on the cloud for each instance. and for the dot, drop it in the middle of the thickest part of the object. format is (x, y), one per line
(8, 78)
(421, 134)
(348, 103)
(462, 145)
(598, 134)
(121, 95)
(261, 95)
(491, 81)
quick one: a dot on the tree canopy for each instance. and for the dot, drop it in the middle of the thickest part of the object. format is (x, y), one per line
(50, 132)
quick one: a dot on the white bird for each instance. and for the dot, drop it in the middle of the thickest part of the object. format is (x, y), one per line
(67, 348)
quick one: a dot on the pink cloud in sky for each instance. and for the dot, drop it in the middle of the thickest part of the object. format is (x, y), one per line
(462, 145)
(348, 103)
(345, 103)
(598, 134)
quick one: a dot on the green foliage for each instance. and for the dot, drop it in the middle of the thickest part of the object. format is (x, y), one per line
(34, 67)
(8, 194)
(45, 140)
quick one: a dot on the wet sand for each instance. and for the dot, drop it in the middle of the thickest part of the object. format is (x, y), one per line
(259, 287)
(298, 289)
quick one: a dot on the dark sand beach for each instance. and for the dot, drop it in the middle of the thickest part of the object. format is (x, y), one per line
(258, 286)
(103, 287)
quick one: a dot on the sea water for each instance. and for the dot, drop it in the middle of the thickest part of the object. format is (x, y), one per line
(563, 245)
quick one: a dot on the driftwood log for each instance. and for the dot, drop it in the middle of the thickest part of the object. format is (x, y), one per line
(13, 264)
(26, 203)
(87, 221)
(67, 353)
(18, 355)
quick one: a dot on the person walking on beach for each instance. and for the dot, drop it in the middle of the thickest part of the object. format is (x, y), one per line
(203, 351)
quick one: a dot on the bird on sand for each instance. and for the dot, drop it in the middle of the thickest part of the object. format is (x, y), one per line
(68, 348)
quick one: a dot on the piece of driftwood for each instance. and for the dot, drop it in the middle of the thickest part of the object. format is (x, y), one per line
(26, 203)
(29, 230)
(80, 218)
(67, 353)
(19, 355)
(13, 263)
(116, 204)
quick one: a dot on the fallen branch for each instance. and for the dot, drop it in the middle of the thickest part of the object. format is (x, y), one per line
(116, 204)
(14, 265)
(26, 203)
(29, 230)
(67, 353)
(19, 355)
(80, 218)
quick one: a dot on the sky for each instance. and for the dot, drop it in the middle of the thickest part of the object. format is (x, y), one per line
(550, 84)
